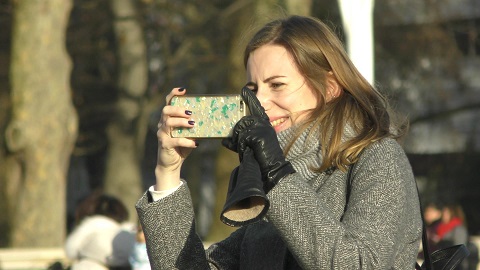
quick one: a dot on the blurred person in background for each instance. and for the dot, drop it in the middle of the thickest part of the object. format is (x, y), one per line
(139, 257)
(452, 229)
(102, 239)
(433, 217)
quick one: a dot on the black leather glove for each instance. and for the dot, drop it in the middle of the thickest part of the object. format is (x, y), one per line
(256, 132)
(246, 201)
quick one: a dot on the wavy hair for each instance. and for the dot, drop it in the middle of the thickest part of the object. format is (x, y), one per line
(317, 51)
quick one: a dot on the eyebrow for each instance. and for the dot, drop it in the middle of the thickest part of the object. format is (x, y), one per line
(266, 80)
(273, 77)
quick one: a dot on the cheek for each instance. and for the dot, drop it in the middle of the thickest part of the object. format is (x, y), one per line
(306, 103)
(289, 104)
(309, 98)
(294, 106)
(296, 103)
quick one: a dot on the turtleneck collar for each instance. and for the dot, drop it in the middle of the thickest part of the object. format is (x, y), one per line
(304, 143)
(308, 142)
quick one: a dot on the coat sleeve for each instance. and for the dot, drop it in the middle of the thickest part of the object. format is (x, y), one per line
(380, 228)
(172, 243)
(169, 229)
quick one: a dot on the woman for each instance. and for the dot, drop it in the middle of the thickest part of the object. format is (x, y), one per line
(432, 216)
(320, 117)
(452, 229)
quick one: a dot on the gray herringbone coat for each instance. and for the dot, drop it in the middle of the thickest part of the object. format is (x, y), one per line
(309, 224)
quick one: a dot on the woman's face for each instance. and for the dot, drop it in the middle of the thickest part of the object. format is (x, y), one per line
(280, 88)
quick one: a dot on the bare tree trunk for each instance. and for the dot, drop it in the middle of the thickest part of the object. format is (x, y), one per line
(123, 173)
(43, 125)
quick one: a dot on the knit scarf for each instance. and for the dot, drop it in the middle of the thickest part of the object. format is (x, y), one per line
(306, 150)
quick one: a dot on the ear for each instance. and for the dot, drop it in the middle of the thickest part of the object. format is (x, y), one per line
(333, 87)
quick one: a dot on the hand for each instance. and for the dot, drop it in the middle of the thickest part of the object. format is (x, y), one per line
(256, 132)
(172, 152)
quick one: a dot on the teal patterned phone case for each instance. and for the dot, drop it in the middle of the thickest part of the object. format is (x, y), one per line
(214, 115)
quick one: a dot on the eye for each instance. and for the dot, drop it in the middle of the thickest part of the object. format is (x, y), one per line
(276, 85)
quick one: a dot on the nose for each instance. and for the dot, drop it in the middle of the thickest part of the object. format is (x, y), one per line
(264, 98)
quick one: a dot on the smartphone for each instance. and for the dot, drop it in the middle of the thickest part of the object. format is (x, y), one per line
(214, 115)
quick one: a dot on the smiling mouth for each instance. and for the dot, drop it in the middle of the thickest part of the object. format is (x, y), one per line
(278, 122)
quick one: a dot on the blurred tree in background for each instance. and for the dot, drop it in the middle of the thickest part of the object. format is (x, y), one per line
(42, 126)
(122, 169)
(127, 55)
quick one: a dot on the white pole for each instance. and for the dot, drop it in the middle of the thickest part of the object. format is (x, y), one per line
(357, 18)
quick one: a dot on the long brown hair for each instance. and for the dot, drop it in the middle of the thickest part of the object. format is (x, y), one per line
(318, 51)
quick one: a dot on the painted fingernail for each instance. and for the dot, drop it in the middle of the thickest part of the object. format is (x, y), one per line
(181, 89)
(187, 112)
(196, 143)
(191, 122)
